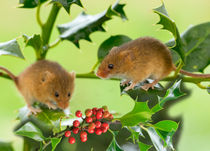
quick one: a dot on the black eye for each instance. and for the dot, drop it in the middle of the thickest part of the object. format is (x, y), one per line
(69, 94)
(56, 94)
(110, 66)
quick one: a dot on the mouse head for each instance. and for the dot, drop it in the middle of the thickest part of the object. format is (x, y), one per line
(59, 87)
(114, 64)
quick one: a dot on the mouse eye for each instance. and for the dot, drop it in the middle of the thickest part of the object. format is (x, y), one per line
(110, 66)
(56, 94)
(69, 94)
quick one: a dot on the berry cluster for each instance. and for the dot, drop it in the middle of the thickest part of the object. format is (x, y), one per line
(92, 123)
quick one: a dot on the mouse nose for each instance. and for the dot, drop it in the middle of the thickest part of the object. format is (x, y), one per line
(101, 74)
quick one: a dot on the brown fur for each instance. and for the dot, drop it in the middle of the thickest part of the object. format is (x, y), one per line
(41, 80)
(138, 60)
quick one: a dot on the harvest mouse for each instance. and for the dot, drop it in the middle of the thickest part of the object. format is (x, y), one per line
(138, 60)
(46, 82)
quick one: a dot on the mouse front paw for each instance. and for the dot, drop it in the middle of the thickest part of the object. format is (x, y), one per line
(34, 110)
(51, 105)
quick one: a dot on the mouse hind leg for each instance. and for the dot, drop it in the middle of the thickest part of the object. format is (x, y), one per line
(150, 85)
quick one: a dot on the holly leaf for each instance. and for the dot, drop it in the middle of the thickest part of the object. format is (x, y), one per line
(55, 142)
(84, 24)
(11, 48)
(166, 125)
(140, 113)
(196, 42)
(114, 145)
(67, 3)
(172, 93)
(112, 41)
(30, 3)
(144, 147)
(208, 89)
(6, 146)
(31, 131)
(169, 24)
(34, 41)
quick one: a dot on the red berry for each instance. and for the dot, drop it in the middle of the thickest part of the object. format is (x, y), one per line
(103, 129)
(78, 113)
(88, 119)
(98, 131)
(83, 134)
(94, 118)
(106, 114)
(67, 133)
(83, 139)
(92, 126)
(90, 131)
(88, 112)
(105, 125)
(75, 130)
(98, 124)
(99, 115)
(101, 109)
(110, 117)
(76, 123)
(71, 140)
(94, 110)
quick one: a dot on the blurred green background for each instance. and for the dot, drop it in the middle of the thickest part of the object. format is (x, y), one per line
(89, 93)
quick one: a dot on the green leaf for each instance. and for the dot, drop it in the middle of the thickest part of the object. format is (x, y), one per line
(135, 131)
(172, 93)
(169, 24)
(112, 41)
(140, 113)
(166, 125)
(84, 24)
(144, 147)
(67, 3)
(208, 89)
(30, 3)
(11, 48)
(196, 42)
(34, 41)
(31, 131)
(140, 95)
(156, 139)
(55, 142)
(5, 146)
(114, 145)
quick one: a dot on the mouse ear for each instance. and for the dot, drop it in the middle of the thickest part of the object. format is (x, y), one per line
(47, 76)
(113, 49)
(72, 74)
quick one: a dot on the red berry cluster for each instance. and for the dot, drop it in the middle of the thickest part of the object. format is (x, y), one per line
(91, 123)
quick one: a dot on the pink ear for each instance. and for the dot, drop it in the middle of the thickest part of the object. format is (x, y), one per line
(47, 76)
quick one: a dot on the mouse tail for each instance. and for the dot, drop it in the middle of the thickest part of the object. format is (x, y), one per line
(10, 74)
(192, 74)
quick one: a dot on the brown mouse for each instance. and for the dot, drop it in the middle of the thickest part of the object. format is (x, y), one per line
(138, 60)
(46, 82)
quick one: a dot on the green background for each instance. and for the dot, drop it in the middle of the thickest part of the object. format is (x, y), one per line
(89, 93)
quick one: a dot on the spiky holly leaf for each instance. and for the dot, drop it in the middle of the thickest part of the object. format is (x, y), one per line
(140, 113)
(34, 41)
(84, 24)
(169, 24)
(11, 48)
(172, 93)
(30, 3)
(196, 41)
(67, 3)
(112, 41)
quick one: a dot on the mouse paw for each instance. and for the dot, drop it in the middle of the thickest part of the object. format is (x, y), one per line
(125, 82)
(34, 110)
(50, 105)
(130, 86)
(149, 85)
